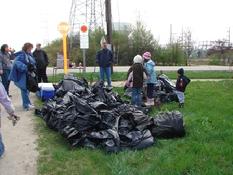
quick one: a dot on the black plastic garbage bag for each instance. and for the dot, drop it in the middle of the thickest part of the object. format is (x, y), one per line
(168, 125)
(137, 139)
(98, 118)
(98, 105)
(71, 84)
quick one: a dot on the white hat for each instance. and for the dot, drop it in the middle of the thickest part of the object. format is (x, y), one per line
(138, 59)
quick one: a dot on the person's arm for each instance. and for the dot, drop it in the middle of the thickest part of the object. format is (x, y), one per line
(46, 58)
(110, 57)
(21, 67)
(5, 100)
(130, 78)
(144, 76)
(1, 68)
(97, 58)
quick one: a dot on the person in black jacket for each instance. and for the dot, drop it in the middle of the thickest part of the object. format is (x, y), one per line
(136, 78)
(42, 62)
(181, 83)
(104, 58)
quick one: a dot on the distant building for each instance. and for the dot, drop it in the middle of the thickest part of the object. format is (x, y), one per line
(121, 26)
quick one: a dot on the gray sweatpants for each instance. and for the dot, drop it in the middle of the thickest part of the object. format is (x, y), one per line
(180, 96)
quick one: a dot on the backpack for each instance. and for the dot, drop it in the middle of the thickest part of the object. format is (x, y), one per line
(186, 80)
(32, 84)
(31, 78)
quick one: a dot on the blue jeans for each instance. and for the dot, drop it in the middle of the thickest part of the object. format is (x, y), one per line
(136, 98)
(1, 146)
(25, 98)
(5, 80)
(150, 90)
(107, 72)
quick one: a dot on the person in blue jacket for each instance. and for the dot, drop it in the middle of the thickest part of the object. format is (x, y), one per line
(23, 63)
(104, 58)
(149, 65)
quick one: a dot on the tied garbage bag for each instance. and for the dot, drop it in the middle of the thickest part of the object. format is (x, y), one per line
(168, 125)
(96, 117)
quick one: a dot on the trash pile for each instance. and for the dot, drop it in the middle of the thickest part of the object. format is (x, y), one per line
(165, 89)
(96, 117)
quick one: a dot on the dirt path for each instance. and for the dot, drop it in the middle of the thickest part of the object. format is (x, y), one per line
(20, 141)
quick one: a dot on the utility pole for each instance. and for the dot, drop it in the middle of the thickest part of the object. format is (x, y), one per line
(170, 33)
(229, 37)
(108, 13)
(109, 21)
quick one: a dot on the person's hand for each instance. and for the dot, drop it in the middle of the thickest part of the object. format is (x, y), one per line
(1, 72)
(14, 118)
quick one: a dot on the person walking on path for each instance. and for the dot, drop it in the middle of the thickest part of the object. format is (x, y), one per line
(42, 62)
(104, 58)
(149, 65)
(24, 62)
(5, 66)
(136, 78)
(6, 102)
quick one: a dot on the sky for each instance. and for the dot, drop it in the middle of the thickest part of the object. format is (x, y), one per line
(36, 20)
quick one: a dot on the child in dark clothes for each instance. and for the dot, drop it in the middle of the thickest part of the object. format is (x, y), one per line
(135, 80)
(181, 83)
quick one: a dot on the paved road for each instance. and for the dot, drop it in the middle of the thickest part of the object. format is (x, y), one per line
(164, 68)
(122, 83)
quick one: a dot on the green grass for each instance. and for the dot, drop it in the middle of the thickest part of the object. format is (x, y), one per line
(120, 76)
(205, 150)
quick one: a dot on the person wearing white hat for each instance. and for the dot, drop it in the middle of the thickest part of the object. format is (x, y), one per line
(137, 76)
(149, 65)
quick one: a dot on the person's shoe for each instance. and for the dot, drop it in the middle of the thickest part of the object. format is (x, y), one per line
(152, 101)
(147, 102)
(31, 106)
(181, 105)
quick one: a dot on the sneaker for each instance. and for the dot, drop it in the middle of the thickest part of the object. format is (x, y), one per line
(30, 107)
(181, 105)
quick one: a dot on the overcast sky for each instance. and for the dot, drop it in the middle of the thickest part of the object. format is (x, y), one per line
(37, 20)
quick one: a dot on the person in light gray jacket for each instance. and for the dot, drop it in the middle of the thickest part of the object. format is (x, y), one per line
(6, 103)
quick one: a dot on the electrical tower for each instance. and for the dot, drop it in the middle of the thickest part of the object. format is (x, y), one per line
(91, 12)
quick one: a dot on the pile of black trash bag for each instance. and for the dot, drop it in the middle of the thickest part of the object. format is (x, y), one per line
(97, 117)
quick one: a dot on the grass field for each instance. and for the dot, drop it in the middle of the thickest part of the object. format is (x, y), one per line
(120, 76)
(205, 150)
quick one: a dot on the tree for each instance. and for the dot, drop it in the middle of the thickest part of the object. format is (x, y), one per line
(141, 40)
(52, 49)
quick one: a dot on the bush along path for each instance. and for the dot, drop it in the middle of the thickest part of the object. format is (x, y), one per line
(20, 157)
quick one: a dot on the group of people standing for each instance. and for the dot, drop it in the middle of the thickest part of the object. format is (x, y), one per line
(15, 67)
(142, 73)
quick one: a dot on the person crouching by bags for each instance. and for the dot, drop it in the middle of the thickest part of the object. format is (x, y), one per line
(24, 64)
(137, 76)
(149, 65)
(181, 84)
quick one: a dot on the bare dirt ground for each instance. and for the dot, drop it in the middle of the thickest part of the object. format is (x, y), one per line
(20, 156)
